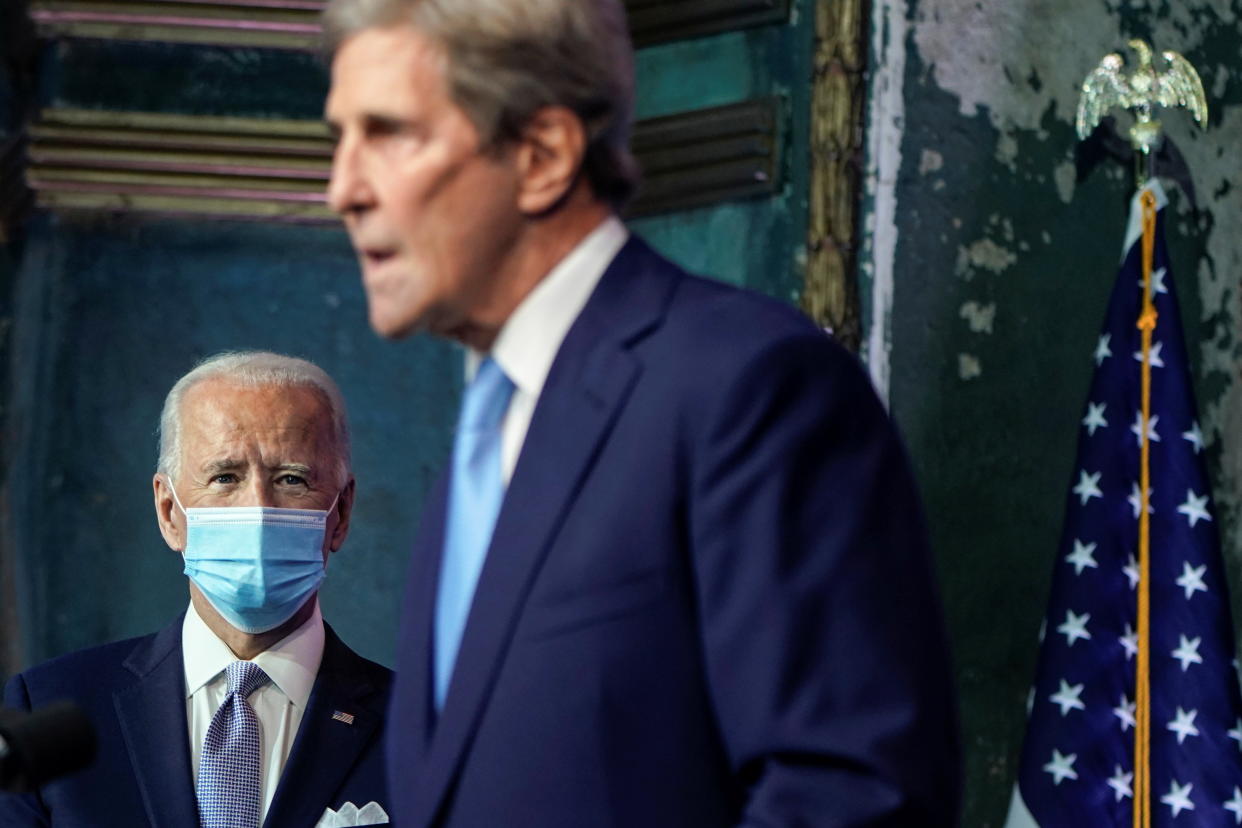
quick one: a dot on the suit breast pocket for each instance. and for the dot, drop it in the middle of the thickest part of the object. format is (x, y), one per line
(563, 612)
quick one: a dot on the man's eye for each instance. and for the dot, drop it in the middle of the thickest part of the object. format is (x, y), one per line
(225, 479)
(291, 480)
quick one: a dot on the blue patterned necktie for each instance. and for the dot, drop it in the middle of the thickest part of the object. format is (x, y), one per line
(228, 772)
(475, 493)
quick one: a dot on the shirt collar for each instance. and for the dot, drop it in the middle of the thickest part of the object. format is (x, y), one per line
(292, 663)
(530, 338)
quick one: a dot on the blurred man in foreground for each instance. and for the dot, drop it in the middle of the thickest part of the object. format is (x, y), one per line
(676, 574)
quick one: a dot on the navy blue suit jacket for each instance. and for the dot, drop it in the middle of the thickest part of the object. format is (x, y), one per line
(134, 693)
(708, 600)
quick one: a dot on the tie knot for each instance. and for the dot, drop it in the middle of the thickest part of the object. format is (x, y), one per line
(486, 398)
(244, 677)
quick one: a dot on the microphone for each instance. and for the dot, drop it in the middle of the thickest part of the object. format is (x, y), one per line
(43, 744)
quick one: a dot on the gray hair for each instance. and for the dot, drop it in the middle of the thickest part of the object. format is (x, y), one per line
(509, 58)
(252, 369)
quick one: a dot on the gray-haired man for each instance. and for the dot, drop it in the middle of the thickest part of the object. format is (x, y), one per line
(247, 710)
(677, 574)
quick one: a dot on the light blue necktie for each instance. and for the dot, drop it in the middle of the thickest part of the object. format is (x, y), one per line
(228, 770)
(476, 491)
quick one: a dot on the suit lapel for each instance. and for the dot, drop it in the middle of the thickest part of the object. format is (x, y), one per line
(326, 748)
(153, 720)
(586, 388)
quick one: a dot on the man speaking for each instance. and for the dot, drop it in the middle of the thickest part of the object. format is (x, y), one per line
(676, 573)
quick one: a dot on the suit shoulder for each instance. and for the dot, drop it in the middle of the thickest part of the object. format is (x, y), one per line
(64, 675)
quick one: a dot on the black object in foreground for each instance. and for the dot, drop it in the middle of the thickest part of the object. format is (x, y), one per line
(43, 744)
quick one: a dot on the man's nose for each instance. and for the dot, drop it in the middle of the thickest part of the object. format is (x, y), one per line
(348, 188)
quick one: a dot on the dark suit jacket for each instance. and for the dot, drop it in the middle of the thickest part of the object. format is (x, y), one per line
(708, 599)
(134, 693)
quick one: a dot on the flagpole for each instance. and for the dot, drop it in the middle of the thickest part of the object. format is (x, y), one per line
(1142, 678)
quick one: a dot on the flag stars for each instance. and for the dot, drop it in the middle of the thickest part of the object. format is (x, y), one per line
(1194, 437)
(1195, 508)
(1062, 767)
(1187, 652)
(1126, 712)
(1137, 428)
(1067, 698)
(1102, 351)
(1130, 642)
(1135, 504)
(1120, 783)
(1192, 579)
(1095, 417)
(1082, 557)
(1157, 281)
(1131, 570)
(1088, 486)
(1156, 360)
(1178, 798)
(1184, 724)
(1235, 805)
(1075, 627)
(1236, 733)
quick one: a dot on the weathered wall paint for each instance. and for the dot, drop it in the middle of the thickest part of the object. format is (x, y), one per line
(1003, 264)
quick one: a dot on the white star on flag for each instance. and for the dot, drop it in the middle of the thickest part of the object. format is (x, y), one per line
(1088, 486)
(1074, 627)
(1184, 725)
(1195, 508)
(1187, 652)
(1235, 805)
(1178, 798)
(1102, 351)
(1192, 579)
(1133, 500)
(1062, 767)
(1067, 698)
(1082, 557)
(1156, 361)
(1157, 281)
(1125, 711)
(1236, 733)
(1095, 417)
(1130, 642)
(1137, 428)
(1131, 570)
(1194, 436)
(1120, 783)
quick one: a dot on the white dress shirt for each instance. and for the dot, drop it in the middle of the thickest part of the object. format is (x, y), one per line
(291, 664)
(533, 333)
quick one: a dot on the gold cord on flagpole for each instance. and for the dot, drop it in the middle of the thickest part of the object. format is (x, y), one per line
(1142, 678)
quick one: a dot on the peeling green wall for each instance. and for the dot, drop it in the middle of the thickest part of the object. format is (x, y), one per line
(1003, 265)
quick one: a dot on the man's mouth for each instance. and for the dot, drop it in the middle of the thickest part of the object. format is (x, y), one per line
(374, 257)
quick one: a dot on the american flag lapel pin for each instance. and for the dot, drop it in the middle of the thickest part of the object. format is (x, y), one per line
(342, 716)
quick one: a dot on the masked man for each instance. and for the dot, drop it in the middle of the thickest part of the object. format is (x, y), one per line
(247, 710)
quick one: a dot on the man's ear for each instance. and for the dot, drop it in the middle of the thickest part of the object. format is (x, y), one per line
(167, 515)
(550, 154)
(344, 508)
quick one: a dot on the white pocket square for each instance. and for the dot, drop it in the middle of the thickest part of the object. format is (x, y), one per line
(351, 814)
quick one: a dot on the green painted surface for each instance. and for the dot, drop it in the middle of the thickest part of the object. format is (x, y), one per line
(1003, 268)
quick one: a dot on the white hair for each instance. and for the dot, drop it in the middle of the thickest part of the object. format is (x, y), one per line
(509, 58)
(252, 369)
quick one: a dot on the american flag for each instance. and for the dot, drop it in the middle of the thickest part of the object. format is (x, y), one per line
(1077, 766)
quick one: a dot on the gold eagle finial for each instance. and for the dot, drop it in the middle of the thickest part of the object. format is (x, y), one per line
(1108, 87)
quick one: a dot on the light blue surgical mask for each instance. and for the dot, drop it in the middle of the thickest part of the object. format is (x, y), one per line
(255, 564)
